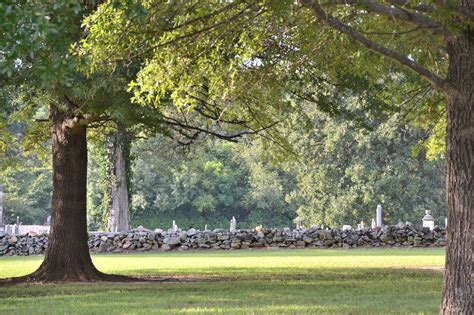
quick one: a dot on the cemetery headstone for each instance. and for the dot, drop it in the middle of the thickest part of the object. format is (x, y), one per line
(298, 223)
(2, 225)
(346, 227)
(428, 220)
(17, 226)
(379, 215)
(233, 225)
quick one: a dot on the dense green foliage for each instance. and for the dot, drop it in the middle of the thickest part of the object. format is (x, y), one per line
(274, 55)
(28, 192)
(338, 176)
(208, 185)
(344, 172)
(253, 56)
(236, 282)
(25, 170)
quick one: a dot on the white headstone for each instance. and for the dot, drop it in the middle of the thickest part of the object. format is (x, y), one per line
(428, 220)
(362, 225)
(373, 225)
(233, 225)
(298, 223)
(2, 225)
(379, 215)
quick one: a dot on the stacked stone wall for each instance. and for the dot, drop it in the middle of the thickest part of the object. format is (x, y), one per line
(146, 240)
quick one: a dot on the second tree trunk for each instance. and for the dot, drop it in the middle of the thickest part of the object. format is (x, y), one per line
(118, 145)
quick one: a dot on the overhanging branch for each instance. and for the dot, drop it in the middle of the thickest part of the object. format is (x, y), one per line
(399, 13)
(196, 130)
(437, 81)
(423, 7)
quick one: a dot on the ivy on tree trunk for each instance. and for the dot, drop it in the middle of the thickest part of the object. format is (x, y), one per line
(118, 179)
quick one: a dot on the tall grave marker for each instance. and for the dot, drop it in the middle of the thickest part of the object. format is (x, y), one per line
(2, 225)
(379, 215)
(233, 225)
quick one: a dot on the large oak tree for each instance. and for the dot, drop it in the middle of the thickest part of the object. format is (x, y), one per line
(36, 39)
(36, 55)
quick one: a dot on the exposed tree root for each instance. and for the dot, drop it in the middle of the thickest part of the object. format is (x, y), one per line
(43, 275)
(35, 278)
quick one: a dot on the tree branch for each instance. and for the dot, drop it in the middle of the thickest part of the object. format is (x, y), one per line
(229, 137)
(214, 115)
(202, 17)
(185, 36)
(423, 7)
(437, 81)
(400, 14)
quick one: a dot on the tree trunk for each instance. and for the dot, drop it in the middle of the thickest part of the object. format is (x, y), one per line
(67, 256)
(458, 278)
(119, 215)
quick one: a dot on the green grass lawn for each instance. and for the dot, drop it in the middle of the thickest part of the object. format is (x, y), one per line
(361, 281)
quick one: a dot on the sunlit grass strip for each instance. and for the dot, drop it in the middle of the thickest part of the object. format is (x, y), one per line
(225, 262)
(383, 281)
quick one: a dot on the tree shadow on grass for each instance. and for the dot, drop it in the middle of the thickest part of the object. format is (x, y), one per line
(361, 291)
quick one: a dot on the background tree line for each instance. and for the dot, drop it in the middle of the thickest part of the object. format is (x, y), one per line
(327, 179)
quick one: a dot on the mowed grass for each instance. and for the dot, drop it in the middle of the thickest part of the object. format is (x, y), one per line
(310, 281)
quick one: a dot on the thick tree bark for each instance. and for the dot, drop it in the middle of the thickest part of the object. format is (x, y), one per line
(67, 257)
(458, 279)
(119, 215)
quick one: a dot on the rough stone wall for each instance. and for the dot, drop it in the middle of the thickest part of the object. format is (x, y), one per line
(146, 240)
